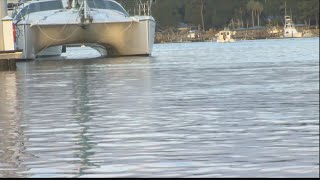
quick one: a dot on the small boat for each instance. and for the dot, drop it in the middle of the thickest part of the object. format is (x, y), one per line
(225, 36)
(46, 27)
(289, 29)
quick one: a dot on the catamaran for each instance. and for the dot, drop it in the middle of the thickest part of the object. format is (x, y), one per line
(45, 27)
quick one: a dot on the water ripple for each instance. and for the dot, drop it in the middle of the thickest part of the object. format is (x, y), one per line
(228, 110)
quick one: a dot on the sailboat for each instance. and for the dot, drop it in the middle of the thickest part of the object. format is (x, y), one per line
(44, 27)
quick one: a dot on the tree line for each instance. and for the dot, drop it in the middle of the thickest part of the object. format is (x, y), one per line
(208, 14)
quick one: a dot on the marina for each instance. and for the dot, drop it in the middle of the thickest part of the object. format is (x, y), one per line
(94, 88)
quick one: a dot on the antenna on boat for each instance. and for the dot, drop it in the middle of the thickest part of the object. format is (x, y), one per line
(285, 8)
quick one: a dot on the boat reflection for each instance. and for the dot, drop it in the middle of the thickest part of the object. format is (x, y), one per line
(12, 138)
(65, 103)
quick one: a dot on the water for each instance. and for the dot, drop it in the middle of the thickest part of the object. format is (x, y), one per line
(246, 109)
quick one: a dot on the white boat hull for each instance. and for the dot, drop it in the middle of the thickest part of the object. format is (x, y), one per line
(225, 41)
(293, 34)
(119, 39)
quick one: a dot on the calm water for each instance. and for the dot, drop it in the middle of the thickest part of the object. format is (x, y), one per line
(247, 109)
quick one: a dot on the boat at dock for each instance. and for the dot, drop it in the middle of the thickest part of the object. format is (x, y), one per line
(46, 27)
(225, 36)
(290, 30)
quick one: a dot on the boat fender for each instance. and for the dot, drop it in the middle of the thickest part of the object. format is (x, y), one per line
(14, 32)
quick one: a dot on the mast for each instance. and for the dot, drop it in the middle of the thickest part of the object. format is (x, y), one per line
(81, 6)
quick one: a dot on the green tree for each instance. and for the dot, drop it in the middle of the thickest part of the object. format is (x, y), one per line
(166, 13)
(195, 12)
(219, 13)
(258, 8)
(309, 10)
(251, 8)
(201, 4)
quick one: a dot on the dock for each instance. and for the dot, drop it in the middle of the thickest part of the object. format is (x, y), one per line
(8, 60)
(8, 54)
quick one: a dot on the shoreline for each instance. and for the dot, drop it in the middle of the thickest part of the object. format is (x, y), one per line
(242, 34)
(236, 40)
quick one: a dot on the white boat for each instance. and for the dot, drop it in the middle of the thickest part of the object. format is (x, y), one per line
(225, 36)
(45, 27)
(289, 29)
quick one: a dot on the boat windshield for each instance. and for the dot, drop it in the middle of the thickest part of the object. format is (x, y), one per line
(38, 7)
(106, 4)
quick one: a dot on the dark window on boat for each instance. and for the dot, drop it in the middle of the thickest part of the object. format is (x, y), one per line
(38, 7)
(106, 4)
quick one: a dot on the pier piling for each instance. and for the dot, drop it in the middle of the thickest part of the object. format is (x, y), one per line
(8, 54)
(8, 60)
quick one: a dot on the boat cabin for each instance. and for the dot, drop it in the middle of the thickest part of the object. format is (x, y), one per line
(36, 6)
(48, 5)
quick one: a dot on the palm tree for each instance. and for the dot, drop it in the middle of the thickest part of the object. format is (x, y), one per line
(241, 12)
(259, 9)
(251, 7)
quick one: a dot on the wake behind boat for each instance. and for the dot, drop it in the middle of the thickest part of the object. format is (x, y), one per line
(44, 27)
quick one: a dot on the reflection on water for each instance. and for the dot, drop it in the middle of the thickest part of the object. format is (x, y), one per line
(11, 134)
(232, 110)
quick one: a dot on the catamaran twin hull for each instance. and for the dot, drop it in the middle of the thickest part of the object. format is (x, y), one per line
(134, 37)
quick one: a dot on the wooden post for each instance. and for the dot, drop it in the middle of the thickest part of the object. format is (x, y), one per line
(3, 13)
(8, 59)
(7, 65)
